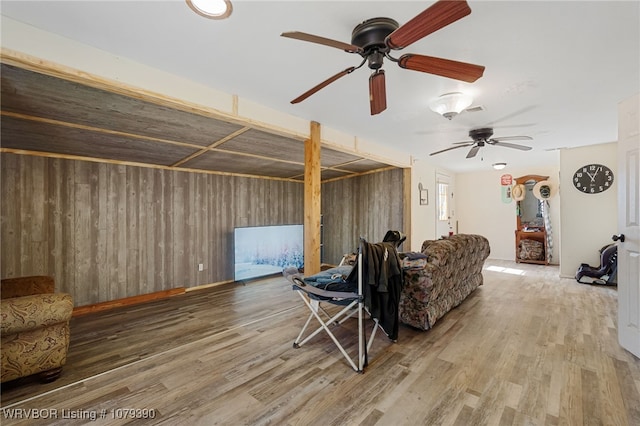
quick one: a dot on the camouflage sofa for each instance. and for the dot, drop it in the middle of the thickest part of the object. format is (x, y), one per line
(35, 328)
(450, 270)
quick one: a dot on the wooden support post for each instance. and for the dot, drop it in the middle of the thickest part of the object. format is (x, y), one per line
(312, 201)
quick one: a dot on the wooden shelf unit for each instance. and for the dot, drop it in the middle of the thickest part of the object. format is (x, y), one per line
(521, 234)
(538, 236)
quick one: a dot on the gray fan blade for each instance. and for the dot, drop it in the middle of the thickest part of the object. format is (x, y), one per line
(512, 145)
(449, 149)
(473, 151)
(513, 138)
(458, 143)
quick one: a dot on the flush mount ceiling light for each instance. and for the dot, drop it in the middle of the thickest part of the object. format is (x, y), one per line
(499, 166)
(212, 9)
(451, 104)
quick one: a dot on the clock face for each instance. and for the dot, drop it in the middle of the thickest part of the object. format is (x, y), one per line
(593, 178)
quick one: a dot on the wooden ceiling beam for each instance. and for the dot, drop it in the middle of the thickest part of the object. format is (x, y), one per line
(211, 146)
(138, 164)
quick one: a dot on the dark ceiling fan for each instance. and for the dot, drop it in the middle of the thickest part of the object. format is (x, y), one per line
(482, 137)
(374, 38)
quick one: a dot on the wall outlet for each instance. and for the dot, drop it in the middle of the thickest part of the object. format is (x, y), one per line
(200, 267)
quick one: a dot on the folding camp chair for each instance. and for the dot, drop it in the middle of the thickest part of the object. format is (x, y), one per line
(351, 296)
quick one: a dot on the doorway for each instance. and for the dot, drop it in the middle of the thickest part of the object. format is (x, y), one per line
(445, 217)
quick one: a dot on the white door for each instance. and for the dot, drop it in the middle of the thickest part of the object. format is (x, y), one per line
(629, 224)
(445, 220)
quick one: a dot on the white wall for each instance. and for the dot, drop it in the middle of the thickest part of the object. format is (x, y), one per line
(581, 223)
(423, 217)
(482, 211)
(588, 220)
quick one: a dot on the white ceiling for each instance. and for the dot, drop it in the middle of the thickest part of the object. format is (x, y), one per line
(555, 70)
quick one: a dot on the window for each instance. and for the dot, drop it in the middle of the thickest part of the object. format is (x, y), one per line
(443, 201)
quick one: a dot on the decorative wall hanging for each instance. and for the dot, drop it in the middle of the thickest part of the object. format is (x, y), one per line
(505, 182)
(423, 195)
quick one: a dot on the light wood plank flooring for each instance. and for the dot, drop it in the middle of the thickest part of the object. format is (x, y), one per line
(526, 348)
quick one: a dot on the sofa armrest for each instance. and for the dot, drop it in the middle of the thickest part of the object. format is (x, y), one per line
(26, 286)
(20, 314)
(419, 283)
(438, 252)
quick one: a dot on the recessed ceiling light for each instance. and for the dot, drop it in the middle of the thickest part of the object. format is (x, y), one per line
(212, 9)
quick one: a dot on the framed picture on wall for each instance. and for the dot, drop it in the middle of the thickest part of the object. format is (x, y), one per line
(423, 194)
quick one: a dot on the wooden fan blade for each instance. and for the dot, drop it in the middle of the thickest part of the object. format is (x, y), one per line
(377, 92)
(322, 85)
(512, 145)
(435, 17)
(450, 148)
(442, 67)
(322, 40)
(473, 151)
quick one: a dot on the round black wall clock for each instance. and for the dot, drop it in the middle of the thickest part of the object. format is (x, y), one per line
(593, 178)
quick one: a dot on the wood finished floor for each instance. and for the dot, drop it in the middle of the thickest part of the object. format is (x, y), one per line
(526, 348)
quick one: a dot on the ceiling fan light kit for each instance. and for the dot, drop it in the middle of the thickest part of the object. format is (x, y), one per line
(451, 104)
(374, 39)
(499, 166)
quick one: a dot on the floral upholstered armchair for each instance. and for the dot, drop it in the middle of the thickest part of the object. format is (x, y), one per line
(35, 328)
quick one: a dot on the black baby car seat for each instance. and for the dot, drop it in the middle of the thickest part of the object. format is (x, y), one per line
(608, 267)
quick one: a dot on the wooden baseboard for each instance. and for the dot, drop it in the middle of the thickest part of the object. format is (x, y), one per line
(127, 301)
(205, 286)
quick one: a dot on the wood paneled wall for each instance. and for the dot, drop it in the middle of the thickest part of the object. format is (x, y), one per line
(108, 231)
(366, 206)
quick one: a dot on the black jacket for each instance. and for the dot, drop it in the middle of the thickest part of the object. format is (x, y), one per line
(382, 282)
